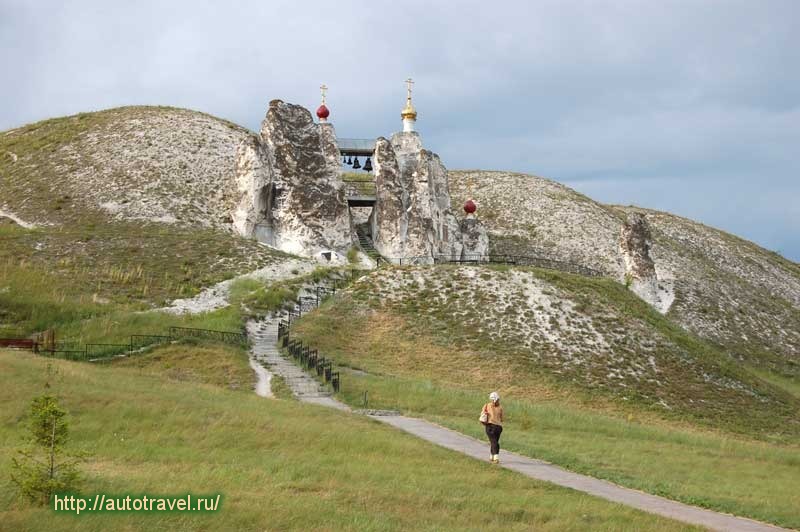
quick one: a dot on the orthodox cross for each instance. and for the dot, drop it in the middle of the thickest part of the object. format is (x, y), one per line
(409, 82)
(323, 89)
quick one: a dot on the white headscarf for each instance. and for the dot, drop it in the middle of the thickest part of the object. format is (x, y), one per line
(494, 397)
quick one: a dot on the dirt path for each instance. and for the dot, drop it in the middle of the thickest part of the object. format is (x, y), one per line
(216, 296)
(19, 221)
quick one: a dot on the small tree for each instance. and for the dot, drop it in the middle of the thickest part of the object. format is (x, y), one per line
(44, 468)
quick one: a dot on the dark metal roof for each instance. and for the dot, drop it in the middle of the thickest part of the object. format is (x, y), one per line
(356, 146)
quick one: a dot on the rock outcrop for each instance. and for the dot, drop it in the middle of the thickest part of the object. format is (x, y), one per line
(291, 195)
(291, 191)
(474, 238)
(640, 269)
(412, 218)
(389, 219)
(634, 244)
(254, 187)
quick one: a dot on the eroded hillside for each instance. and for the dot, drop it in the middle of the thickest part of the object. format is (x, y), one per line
(130, 188)
(155, 164)
(726, 289)
(587, 332)
(126, 205)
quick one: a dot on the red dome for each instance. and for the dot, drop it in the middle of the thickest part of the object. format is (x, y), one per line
(323, 112)
(470, 207)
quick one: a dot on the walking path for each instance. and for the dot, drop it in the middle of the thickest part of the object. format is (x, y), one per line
(19, 221)
(264, 335)
(600, 488)
(307, 389)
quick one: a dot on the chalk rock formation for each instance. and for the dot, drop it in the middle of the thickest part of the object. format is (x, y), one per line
(474, 238)
(433, 192)
(309, 209)
(634, 244)
(389, 219)
(291, 194)
(412, 216)
(640, 269)
(254, 186)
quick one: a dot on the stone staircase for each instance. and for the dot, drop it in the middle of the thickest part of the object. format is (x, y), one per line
(264, 336)
(365, 242)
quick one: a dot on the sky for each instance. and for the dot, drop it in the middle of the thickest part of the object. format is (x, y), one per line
(692, 107)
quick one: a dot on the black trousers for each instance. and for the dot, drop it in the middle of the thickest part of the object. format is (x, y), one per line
(494, 431)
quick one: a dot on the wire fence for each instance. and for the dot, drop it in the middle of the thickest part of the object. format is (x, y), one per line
(520, 260)
(100, 352)
(46, 345)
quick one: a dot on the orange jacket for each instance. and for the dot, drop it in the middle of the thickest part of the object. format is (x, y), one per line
(495, 413)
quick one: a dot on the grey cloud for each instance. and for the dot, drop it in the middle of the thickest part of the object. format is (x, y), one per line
(652, 103)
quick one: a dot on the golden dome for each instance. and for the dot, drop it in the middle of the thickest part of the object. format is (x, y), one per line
(409, 111)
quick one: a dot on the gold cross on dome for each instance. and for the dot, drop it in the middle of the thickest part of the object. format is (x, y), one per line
(323, 89)
(409, 82)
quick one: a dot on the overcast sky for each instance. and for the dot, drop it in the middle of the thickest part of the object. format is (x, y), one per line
(689, 107)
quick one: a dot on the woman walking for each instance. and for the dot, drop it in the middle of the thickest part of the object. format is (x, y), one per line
(492, 418)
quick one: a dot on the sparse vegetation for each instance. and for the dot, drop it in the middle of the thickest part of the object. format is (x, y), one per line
(352, 255)
(280, 389)
(728, 291)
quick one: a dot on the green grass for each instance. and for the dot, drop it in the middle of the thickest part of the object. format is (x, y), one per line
(121, 264)
(363, 181)
(424, 371)
(359, 176)
(280, 389)
(217, 364)
(280, 465)
(789, 383)
(95, 287)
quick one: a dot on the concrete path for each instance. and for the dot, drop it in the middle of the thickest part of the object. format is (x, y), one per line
(307, 389)
(600, 488)
(264, 351)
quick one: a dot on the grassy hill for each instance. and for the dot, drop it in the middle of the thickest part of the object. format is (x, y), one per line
(727, 290)
(280, 465)
(593, 379)
(123, 211)
(149, 164)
